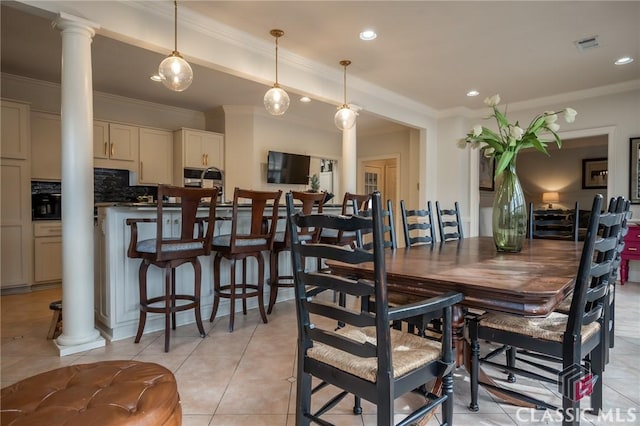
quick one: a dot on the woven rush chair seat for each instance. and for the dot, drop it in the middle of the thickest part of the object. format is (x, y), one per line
(108, 393)
(550, 328)
(408, 352)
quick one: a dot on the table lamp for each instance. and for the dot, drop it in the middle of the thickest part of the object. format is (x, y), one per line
(550, 198)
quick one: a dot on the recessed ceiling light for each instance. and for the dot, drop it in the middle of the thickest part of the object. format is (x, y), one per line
(305, 99)
(471, 93)
(155, 78)
(624, 60)
(368, 35)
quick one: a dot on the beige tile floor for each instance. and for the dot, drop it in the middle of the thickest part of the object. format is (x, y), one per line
(248, 377)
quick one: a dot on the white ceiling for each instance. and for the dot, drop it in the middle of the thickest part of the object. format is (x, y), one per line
(431, 52)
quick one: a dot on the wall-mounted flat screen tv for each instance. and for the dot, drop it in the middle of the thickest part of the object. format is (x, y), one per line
(288, 168)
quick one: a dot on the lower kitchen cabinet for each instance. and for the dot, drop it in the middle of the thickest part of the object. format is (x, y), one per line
(47, 245)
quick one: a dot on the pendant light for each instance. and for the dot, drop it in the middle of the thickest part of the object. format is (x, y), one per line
(276, 100)
(345, 117)
(175, 72)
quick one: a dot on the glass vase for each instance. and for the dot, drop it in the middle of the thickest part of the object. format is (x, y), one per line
(509, 213)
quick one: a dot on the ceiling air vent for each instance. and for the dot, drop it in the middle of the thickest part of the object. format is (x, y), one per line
(587, 43)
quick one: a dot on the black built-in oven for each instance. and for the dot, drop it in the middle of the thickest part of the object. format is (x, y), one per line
(46, 206)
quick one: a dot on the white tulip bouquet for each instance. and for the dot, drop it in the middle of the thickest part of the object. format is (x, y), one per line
(511, 138)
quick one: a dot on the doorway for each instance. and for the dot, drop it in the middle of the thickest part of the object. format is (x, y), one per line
(381, 174)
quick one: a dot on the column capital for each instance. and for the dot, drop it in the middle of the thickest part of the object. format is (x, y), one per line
(65, 21)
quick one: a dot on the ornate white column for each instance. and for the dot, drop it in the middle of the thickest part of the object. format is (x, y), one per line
(349, 161)
(78, 325)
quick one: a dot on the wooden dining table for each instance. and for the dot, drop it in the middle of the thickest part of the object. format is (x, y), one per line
(529, 283)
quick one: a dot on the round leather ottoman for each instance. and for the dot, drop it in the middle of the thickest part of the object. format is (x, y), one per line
(109, 393)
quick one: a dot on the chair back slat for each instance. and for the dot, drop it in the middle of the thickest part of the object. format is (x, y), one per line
(421, 222)
(338, 313)
(359, 288)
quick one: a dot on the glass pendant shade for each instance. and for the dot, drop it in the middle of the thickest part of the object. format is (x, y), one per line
(276, 101)
(345, 118)
(175, 72)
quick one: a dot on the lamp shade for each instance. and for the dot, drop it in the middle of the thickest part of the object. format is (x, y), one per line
(175, 72)
(550, 198)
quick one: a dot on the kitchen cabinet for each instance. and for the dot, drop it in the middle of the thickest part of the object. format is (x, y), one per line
(197, 149)
(46, 146)
(156, 157)
(47, 251)
(15, 130)
(115, 145)
(15, 197)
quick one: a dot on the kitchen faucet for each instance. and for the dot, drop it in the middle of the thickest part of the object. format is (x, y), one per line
(205, 171)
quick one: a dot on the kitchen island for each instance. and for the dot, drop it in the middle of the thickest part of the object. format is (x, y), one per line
(116, 275)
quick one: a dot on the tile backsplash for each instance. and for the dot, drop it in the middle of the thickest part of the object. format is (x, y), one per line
(113, 185)
(109, 185)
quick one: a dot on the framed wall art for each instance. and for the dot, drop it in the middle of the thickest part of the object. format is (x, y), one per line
(594, 173)
(486, 170)
(634, 170)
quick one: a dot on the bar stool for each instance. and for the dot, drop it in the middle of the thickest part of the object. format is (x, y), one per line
(244, 243)
(281, 242)
(169, 253)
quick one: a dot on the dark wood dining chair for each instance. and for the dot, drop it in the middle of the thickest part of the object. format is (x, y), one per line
(449, 223)
(169, 253)
(418, 225)
(565, 339)
(389, 239)
(244, 243)
(351, 204)
(555, 224)
(306, 202)
(366, 357)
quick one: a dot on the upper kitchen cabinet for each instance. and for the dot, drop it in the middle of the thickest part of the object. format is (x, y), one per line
(15, 130)
(156, 157)
(115, 145)
(198, 149)
(15, 197)
(46, 147)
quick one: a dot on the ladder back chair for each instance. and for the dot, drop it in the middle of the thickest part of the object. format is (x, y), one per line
(564, 339)
(366, 357)
(418, 225)
(306, 203)
(389, 239)
(242, 243)
(449, 223)
(554, 224)
(169, 253)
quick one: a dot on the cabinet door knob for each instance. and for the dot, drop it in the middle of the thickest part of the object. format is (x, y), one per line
(176, 221)
(106, 148)
(113, 149)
